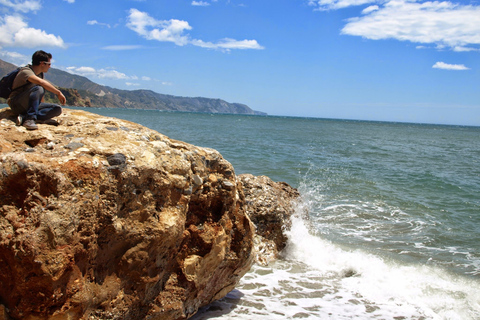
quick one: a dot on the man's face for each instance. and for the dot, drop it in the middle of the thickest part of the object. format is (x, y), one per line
(46, 65)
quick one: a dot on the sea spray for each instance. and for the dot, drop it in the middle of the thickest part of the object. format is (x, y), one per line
(317, 279)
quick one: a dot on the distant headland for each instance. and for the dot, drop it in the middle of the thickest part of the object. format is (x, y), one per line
(82, 92)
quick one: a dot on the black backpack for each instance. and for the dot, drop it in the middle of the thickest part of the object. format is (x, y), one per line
(6, 84)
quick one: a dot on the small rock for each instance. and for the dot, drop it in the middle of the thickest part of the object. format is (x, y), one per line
(50, 145)
(74, 145)
(228, 185)
(197, 180)
(117, 159)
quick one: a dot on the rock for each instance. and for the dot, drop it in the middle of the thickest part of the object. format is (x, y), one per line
(117, 159)
(158, 238)
(3, 313)
(270, 206)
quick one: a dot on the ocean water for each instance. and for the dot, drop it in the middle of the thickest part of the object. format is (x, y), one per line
(393, 226)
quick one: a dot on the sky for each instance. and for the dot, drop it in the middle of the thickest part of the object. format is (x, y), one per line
(387, 60)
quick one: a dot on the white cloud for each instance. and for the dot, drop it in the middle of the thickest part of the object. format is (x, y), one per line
(174, 31)
(15, 58)
(444, 24)
(95, 22)
(465, 49)
(200, 3)
(151, 29)
(446, 66)
(131, 84)
(70, 1)
(107, 73)
(370, 9)
(227, 44)
(22, 6)
(323, 5)
(14, 32)
(101, 73)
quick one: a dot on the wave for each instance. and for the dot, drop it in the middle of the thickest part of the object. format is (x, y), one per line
(318, 279)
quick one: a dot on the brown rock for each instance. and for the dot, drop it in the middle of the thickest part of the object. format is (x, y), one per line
(106, 219)
(270, 206)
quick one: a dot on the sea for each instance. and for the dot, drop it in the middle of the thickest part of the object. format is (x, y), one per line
(392, 229)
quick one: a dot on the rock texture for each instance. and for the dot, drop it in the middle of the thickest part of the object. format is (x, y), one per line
(270, 206)
(102, 218)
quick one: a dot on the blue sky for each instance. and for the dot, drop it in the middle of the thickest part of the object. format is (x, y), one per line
(394, 60)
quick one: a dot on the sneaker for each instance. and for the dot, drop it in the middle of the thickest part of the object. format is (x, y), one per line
(19, 120)
(30, 124)
(50, 122)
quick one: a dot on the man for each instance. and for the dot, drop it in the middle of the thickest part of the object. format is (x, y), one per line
(27, 93)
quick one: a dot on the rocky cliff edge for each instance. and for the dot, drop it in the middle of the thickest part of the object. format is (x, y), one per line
(102, 218)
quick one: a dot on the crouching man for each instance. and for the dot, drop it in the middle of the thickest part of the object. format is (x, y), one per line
(26, 99)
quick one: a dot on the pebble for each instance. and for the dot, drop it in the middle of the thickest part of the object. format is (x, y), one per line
(117, 159)
(74, 145)
(197, 180)
(228, 185)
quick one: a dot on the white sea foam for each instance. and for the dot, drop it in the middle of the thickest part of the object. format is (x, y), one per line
(317, 279)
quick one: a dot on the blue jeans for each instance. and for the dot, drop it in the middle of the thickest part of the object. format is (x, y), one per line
(28, 105)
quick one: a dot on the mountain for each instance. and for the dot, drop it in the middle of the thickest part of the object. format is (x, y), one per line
(80, 91)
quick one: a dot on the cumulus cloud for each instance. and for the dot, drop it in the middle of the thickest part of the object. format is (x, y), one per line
(200, 3)
(15, 58)
(160, 30)
(22, 6)
(14, 32)
(446, 66)
(323, 5)
(370, 9)
(175, 31)
(445, 24)
(100, 73)
(95, 22)
(227, 44)
(109, 73)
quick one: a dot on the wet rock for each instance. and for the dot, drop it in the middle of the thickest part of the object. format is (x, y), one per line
(270, 206)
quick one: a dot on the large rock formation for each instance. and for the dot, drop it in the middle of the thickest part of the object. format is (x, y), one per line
(102, 218)
(270, 206)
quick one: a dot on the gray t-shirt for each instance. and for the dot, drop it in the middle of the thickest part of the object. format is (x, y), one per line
(21, 83)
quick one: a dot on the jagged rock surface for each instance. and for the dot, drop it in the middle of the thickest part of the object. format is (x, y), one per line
(270, 206)
(102, 218)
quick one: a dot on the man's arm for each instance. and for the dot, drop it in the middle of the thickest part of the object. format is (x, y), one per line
(48, 86)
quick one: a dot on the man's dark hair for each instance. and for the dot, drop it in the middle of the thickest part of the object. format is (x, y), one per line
(40, 56)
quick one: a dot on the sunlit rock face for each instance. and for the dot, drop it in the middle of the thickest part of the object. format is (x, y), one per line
(102, 218)
(270, 205)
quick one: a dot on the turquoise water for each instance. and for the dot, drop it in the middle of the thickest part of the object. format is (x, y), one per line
(394, 214)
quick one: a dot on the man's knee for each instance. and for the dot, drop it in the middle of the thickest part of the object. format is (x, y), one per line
(57, 111)
(37, 92)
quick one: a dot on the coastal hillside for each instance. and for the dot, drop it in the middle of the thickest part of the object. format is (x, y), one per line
(80, 91)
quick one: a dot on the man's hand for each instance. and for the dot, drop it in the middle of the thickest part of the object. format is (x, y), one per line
(61, 98)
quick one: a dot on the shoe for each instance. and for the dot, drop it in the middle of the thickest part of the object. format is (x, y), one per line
(50, 122)
(30, 124)
(19, 120)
